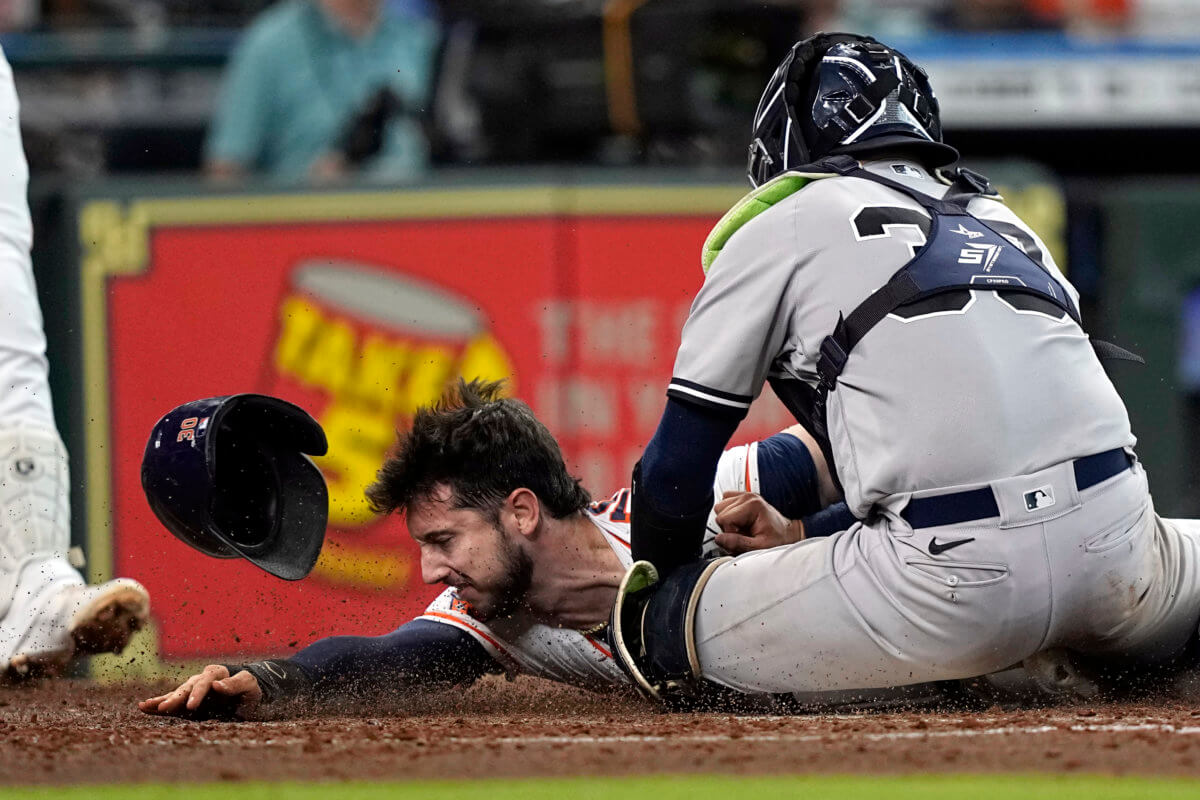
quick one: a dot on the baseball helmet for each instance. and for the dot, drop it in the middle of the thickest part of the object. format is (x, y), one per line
(841, 93)
(231, 477)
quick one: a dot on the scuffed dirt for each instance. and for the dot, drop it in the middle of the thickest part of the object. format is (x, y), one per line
(72, 731)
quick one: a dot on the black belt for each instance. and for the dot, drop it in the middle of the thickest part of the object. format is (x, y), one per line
(951, 509)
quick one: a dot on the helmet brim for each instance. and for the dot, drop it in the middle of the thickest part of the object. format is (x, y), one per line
(931, 154)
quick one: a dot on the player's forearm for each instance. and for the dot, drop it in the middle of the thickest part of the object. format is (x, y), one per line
(418, 655)
(672, 491)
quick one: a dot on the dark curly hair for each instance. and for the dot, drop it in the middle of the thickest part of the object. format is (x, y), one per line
(483, 446)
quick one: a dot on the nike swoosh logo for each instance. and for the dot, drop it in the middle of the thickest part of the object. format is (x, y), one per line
(936, 548)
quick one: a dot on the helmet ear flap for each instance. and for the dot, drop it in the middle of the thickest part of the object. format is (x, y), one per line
(921, 78)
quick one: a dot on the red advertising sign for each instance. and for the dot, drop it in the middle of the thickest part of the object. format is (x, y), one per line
(361, 315)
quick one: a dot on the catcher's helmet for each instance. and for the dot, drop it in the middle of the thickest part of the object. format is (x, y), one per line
(229, 476)
(841, 93)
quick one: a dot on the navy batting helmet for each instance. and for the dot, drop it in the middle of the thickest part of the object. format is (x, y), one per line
(841, 93)
(229, 477)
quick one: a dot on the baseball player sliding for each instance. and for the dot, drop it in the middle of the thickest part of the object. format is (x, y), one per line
(48, 616)
(531, 564)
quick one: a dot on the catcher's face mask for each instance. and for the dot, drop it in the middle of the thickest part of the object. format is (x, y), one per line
(231, 477)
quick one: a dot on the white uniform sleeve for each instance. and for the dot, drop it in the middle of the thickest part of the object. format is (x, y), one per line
(737, 471)
(449, 609)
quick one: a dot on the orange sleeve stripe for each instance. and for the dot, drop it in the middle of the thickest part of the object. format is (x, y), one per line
(598, 646)
(459, 621)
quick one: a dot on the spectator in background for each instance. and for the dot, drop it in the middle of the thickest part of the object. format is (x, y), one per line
(18, 15)
(321, 89)
(1084, 14)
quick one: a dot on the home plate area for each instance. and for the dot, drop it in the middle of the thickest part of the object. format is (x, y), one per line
(79, 732)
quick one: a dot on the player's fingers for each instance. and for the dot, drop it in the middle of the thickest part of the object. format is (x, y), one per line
(727, 498)
(199, 691)
(738, 513)
(150, 705)
(735, 543)
(240, 683)
(163, 696)
(192, 693)
(167, 703)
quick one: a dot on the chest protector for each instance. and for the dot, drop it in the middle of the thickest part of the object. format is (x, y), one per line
(961, 252)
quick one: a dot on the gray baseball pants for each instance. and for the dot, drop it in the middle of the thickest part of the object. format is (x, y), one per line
(1098, 572)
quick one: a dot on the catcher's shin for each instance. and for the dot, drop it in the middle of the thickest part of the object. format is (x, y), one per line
(653, 630)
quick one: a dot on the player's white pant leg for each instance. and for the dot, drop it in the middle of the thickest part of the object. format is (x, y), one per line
(873, 607)
(34, 508)
(24, 384)
(46, 613)
(35, 524)
(35, 533)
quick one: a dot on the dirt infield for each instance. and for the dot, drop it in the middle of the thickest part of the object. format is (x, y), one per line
(72, 731)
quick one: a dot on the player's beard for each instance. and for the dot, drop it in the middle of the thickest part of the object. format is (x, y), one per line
(516, 567)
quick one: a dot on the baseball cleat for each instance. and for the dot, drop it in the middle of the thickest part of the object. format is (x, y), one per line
(108, 615)
(75, 620)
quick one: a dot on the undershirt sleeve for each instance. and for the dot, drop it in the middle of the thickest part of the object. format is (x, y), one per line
(419, 654)
(787, 476)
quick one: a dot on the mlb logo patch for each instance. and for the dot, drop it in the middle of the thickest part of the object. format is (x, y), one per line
(907, 170)
(1039, 498)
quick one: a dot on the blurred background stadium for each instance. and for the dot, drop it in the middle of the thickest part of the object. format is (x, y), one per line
(351, 208)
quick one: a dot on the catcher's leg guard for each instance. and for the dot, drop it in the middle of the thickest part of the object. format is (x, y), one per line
(653, 628)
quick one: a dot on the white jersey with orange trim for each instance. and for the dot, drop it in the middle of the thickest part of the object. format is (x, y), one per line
(523, 645)
(737, 471)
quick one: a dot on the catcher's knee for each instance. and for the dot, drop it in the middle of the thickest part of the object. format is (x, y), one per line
(653, 630)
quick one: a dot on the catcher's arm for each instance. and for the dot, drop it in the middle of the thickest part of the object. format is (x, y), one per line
(420, 654)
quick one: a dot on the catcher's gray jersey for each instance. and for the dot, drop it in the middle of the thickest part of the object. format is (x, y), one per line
(979, 422)
(937, 396)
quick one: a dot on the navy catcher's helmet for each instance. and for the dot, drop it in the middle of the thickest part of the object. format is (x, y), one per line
(841, 93)
(229, 477)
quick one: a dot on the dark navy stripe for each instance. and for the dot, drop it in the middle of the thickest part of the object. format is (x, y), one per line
(741, 398)
(1093, 469)
(976, 504)
(951, 509)
(727, 406)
